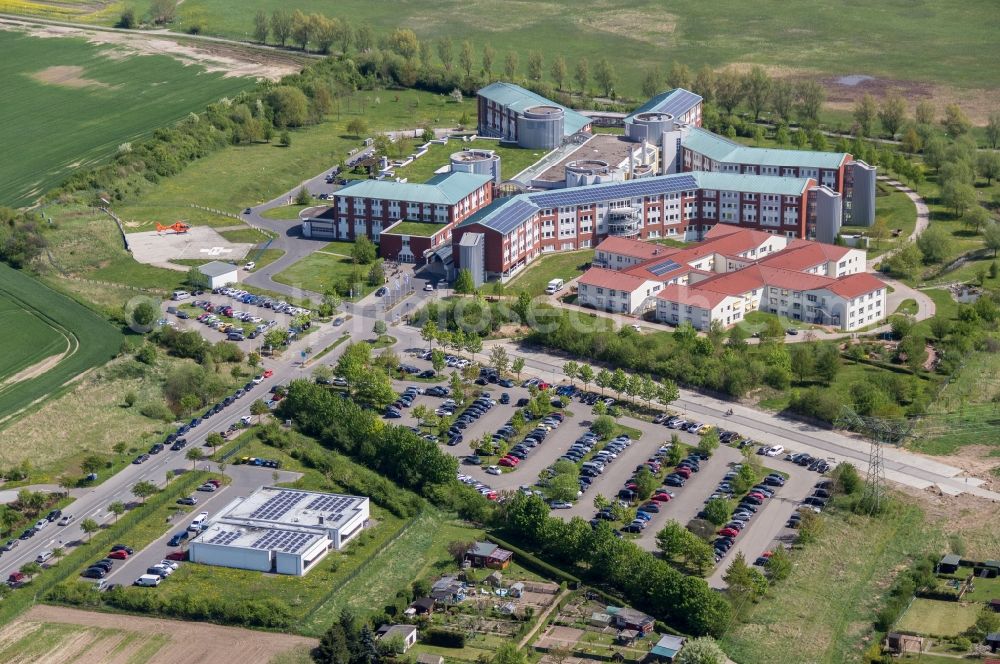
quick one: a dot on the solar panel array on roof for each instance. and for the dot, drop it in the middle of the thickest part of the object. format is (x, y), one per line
(662, 268)
(679, 102)
(277, 506)
(510, 216)
(225, 537)
(285, 541)
(330, 503)
(632, 188)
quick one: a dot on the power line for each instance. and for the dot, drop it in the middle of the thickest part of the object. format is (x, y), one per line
(880, 431)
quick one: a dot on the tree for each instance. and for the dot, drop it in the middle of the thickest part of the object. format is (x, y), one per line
(708, 442)
(582, 74)
(957, 195)
(652, 83)
(363, 252)
(464, 282)
(865, 112)
(119, 448)
(603, 379)
(671, 538)
(955, 121)
(645, 482)
(914, 349)
(260, 409)
(89, 527)
(703, 650)
(803, 361)
(935, 244)
(818, 141)
(517, 366)
(586, 375)
(891, 114)
(811, 98)
(285, 140)
(117, 508)
(810, 526)
(127, 19)
(668, 392)
(473, 344)
(281, 25)
(704, 83)
(603, 426)
(991, 236)
(679, 76)
(92, 464)
(535, 65)
(144, 489)
(993, 130)
(465, 58)
(489, 57)
(783, 99)
(757, 90)
(604, 75)
(510, 65)
(194, 455)
(499, 359)
(827, 362)
(302, 29)
(570, 370)
(509, 653)
(728, 90)
(445, 51)
(332, 648)
(429, 332)
(559, 71)
(988, 166)
(744, 581)
(357, 127)
(718, 511)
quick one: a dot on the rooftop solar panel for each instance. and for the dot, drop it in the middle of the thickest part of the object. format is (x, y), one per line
(225, 537)
(601, 193)
(283, 540)
(510, 216)
(664, 267)
(277, 506)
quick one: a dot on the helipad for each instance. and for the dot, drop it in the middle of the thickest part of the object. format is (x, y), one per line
(200, 242)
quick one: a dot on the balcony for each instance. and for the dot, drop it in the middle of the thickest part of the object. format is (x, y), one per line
(624, 222)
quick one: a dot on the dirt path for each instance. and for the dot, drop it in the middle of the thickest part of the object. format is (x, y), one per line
(188, 642)
(230, 57)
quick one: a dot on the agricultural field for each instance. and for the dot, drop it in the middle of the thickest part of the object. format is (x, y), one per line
(923, 41)
(57, 635)
(70, 104)
(62, 324)
(822, 611)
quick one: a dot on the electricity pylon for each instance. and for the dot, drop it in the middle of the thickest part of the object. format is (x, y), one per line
(880, 431)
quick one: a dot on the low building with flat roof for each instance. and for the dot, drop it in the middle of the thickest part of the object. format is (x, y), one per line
(283, 531)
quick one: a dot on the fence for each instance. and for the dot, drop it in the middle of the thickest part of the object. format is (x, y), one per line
(221, 213)
(121, 227)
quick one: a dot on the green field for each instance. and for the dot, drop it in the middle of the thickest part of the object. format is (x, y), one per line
(319, 271)
(824, 609)
(562, 265)
(935, 618)
(902, 39)
(68, 104)
(60, 642)
(29, 338)
(92, 341)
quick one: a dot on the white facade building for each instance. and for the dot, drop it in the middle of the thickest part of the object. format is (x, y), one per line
(282, 531)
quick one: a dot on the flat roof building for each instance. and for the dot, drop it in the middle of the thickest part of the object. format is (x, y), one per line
(219, 274)
(516, 115)
(283, 531)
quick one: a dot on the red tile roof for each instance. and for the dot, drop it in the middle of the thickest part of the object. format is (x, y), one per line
(793, 280)
(802, 254)
(634, 248)
(691, 295)
(854, 285)
(603, 278)
(735, 283)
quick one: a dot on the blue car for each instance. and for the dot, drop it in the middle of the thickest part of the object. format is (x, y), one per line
(645, 516)
(178, 538)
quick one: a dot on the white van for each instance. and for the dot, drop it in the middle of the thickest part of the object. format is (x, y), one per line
(149, 580)
(199, 523)
(554, 286)
(180, 295)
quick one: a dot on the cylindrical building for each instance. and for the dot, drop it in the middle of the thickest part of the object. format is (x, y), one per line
(541, 127)
(480, 162)
(649, 126)
(588, 171)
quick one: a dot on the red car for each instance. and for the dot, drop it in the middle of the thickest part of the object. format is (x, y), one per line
(661, 497)
(215, 483)
(118, 555)
(510, 462)
(542, 386)
(729, 532)
(758, 495)
(268, 373)
(177, 555)
(683, 471)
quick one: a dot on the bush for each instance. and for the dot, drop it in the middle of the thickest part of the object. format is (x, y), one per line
(444, 638)
(156, 410)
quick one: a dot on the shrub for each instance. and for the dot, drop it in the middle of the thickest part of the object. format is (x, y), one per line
(444, 638)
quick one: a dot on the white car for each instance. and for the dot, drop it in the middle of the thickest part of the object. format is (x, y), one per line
(560, 505)
(494, 470)
(774, 451)
(257, 380)
(249, 266)
(168, 563)
(428, 286)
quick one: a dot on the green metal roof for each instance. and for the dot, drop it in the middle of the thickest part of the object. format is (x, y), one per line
(754, 184)
(675, 102)
(723, 150)
(519, 99)
(444, 189)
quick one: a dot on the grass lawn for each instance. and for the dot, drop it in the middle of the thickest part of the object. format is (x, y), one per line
(70, 104)
(339, 247)
(824, 609)
(898, 212)
(907, 306)
(415, 228)
(935, 618)
(564, 265)
(289, 212)
(984, 591)
(320, 271)
(248, 234)
(513, 160)
(239, 176)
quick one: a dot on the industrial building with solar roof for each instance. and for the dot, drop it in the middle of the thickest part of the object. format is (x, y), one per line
(282, 531)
